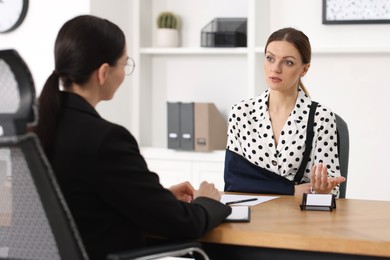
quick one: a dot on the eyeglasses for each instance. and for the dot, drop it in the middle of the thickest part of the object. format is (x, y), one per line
(129, 66)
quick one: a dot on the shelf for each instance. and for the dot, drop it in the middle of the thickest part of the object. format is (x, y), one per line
(351, 50)
(193, 51)
(341, 50)
(170, 154)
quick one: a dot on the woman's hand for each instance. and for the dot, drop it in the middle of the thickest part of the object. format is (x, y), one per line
(320, 182)
(183, 191)
(207, 190)
(302, 188)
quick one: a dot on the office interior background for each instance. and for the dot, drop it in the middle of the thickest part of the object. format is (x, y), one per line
(349, 70)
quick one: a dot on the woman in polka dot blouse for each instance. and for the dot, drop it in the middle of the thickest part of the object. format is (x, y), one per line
(267, 133)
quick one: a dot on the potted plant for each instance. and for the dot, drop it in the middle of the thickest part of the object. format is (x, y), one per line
(167, 30)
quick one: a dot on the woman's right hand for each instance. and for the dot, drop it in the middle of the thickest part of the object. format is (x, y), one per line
(207, 190)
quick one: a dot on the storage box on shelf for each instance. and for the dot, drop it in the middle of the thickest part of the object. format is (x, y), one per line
(225, 32)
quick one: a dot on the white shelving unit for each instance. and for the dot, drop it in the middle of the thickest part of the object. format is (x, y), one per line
(191, 73)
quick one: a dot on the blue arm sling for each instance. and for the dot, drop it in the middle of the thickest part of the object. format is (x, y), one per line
(243, 176)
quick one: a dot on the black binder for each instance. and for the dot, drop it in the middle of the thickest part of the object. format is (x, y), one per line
(187, 126)
(180, 125)
(173, 125)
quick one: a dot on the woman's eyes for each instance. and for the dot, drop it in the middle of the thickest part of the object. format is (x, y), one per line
(269, 58)
(272, 59)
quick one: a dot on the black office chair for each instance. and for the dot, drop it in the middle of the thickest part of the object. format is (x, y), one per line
(191, 250)
(343, 146)
(35, 222)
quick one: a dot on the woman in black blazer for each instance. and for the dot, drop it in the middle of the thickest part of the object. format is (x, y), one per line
(115, 200)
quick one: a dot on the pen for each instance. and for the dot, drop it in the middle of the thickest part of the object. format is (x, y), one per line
(240, 201)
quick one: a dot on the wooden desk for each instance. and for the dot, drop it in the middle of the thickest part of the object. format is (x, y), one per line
(357, 229)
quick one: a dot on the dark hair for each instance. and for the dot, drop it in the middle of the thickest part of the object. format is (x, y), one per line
(83, 44)
(296, 38)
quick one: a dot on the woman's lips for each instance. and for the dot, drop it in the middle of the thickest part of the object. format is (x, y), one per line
(275, 79)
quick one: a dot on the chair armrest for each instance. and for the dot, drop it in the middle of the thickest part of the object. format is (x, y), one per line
(155, 252)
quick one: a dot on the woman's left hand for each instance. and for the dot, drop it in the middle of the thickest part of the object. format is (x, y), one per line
(320, 182)
(183, 191)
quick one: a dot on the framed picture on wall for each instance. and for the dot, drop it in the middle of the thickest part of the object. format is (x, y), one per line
(355, 11)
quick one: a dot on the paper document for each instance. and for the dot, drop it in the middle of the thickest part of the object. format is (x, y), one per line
(259, 199)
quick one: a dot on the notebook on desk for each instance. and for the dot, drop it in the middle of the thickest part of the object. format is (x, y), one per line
(239, 214)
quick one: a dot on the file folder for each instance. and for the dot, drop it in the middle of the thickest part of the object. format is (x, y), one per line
(173, 109)
(187, 126)
(210, 128)
(195, 126)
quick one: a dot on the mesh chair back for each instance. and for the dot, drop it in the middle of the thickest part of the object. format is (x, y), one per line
(35, 222)
(25, 229)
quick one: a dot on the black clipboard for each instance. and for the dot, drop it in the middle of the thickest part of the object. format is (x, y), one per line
(239, 214)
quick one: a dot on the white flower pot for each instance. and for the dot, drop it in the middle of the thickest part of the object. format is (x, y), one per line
(166, 37)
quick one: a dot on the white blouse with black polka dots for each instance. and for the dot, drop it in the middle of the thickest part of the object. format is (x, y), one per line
(250, 135)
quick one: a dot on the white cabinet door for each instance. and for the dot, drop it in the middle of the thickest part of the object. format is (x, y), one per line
(171, 172)
(210, 172)
(174, 166)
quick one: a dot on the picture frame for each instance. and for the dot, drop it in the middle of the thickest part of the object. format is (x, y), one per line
(355, 11)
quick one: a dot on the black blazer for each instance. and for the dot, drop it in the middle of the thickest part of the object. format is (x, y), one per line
(112, 195)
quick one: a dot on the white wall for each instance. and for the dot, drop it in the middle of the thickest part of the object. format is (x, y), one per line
(357, 88)
(34, 39)
(117, 110)
(307, 16)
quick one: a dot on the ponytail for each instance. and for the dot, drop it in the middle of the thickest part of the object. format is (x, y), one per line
(48, 109)
(300, 84)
